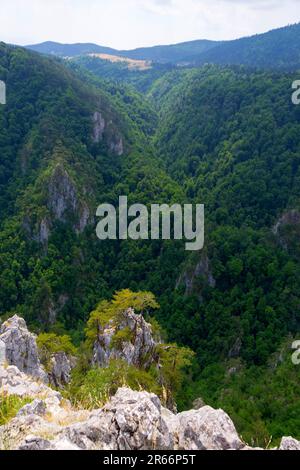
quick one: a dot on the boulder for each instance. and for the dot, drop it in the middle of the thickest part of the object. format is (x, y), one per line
(207, 429)
(288, 443)
(130, 421)
(20, 348)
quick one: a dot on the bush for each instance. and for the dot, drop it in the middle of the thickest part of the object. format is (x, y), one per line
(50, 343)
(94, 389)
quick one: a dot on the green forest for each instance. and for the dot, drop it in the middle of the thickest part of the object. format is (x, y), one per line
(226, 136)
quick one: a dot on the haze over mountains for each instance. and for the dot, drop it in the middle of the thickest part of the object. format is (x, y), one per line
(278, 48)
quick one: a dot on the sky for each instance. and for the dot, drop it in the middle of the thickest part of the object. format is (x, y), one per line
(127, 24)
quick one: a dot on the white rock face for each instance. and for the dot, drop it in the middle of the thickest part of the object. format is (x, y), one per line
(130, 421)
(2, 352)
(15, 382)
(134, 352)
(207, 429)
(98, 127)
(288, 443)
(20, 348)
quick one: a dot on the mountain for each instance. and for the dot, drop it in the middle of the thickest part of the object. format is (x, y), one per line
(170, 54)
(278, 49)
(227, 137)
(162, 54)
(70, 50)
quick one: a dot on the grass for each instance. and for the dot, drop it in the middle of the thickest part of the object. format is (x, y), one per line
(9, 407)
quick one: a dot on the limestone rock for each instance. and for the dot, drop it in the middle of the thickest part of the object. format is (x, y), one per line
(62, 194)
(98, 127)
(207, 429)
(139, 350)
(35, 443)
(61, 367)
(37, 407)
(130, 421)
(291, 217)
(288, 443)
(117, 147)
(20, 348)
(14, 382)
(189, 277)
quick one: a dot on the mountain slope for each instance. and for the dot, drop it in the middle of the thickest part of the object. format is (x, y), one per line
(225, 137)
(172, 53)
(278, 48)
(66, 147)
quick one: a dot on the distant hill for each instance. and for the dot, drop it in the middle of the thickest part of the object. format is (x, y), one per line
(163, 54)
(279, 48)
(172, 53)
(70, 50)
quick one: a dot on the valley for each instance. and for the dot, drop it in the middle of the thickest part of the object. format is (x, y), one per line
(222, 131)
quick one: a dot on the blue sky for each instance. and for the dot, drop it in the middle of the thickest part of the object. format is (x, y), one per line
(125, 24)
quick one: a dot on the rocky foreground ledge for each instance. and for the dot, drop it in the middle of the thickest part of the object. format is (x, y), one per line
(129, 421)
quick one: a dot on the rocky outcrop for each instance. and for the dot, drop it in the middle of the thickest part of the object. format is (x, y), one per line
(291, 217)
(20, 348)
(288, 443)
(61, 367)
(15, 382)
(287, 230)
(206, 429)
(190, 277)
(137, 349)
(100, 126)
(62, 194)
(117, 146)
(64, 202)
(129, 421)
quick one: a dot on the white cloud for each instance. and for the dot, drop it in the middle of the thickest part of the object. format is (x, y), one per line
(133, 23)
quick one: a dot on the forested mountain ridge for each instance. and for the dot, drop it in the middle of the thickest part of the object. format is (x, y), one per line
(225, 137)
(162, 54)
(69, 50)
(278, 49)
(64, 150)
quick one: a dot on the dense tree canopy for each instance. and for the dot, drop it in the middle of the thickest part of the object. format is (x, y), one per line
(225, 137)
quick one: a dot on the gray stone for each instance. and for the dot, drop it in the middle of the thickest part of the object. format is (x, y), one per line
(98, 127)
(130, 421)
(207, 429)
(37, 407)
(20, 348)
(35, 443)
(61, 367)
(288, 443)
